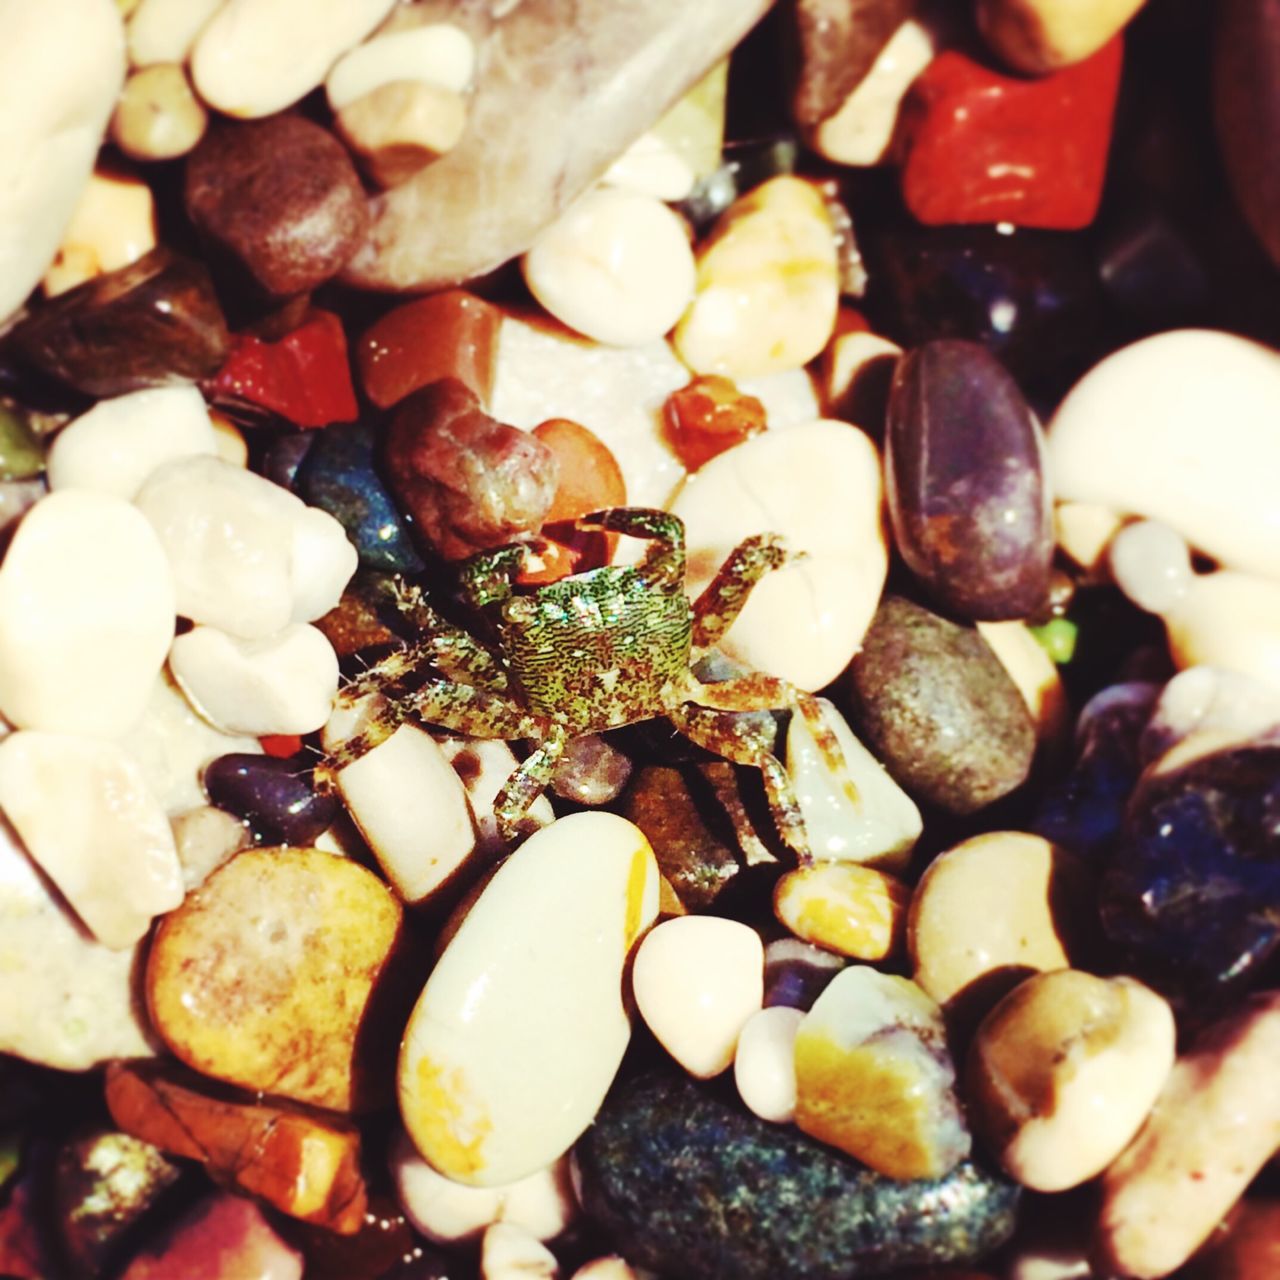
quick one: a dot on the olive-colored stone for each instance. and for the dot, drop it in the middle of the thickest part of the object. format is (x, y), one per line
(939, 709)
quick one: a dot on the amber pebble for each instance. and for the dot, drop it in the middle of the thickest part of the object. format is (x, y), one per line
(709, 416)
(967, 496)
(448, 335)
(855, 911)
(469, 481)
(149, 324)
(281, 196)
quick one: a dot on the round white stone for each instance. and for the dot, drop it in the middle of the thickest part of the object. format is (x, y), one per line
(1151, 564)
(650, 167)
(616, 266)
(764, 1068)
(86, 615)
(166, 30)
(509, 1252)
(437, 53)
(697, 979)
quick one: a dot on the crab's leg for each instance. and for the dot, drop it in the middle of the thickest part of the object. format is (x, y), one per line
(720, 603)
(488, 578)
(728, 737)
(441, 644)
(528, 782)
(663, 565)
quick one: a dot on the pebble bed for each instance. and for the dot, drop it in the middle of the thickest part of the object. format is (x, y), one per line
(639, 642)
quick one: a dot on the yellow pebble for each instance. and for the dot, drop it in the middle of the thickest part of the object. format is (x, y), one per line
(158, 116)
(844, 907)
(113, 225)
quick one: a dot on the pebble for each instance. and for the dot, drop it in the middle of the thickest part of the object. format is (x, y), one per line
(857, 370)
(697, 980)
(57, 98)
(607, 1268)
(1246, 1245)
(205, 838)
(795, 973)
(852, 910)
(166, 30)
(1206, 700)
(496, 1079)
(968, 497)
(399, 128)
(274, 796)
(939, 709)
(284, 683)
(990, 912)
(247, 556)
(874, 1077)
(670, 1170)
(615, 266)
(650, 166)
(118, 443)
(591, 772)
(1029, 664)
(818, 486)
(767, 285)
(158, 116)
(509, 1252)
(1130, 437)
(988, 147)
(22, 454)
(484, 765)
(114, 224)
(280, 196)
(248, 61)
(1063, 1072)
(764, 1067)
(708, 417)
(436, 53)
(1041, 36)
(1151, 564)
(86, 615)
(88, 819)
(446, 1212)
(1215, 1124)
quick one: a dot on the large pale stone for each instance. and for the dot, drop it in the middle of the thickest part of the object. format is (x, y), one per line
(165, 30)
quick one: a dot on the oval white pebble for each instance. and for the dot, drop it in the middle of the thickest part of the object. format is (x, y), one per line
(1151, 564)
(86, 615)
(118, 443)
(166, 30)
(764, 1068)
(650, 167)
(437, 53)
(509, 1252)
(521, 1027)
(615, 266)
(819, 486)
(697, 979)
(1206, 699)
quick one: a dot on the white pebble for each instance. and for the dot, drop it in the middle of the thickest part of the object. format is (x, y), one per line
(118, 443)
(86, 615)
(608, 1268)
(1207, 699)
(1151, 564)
(509, 1252)
(166, 30)
(85, 814)
(697, 979)
(764, 1068)
(247, 556)
(438, 53)
(651, 167)
(256, 57)
(1229, 620)
(484, 765)
(616, 266)
(205, 838)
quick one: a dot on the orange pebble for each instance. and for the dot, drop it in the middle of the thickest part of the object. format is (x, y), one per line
(709, 416)
(281, 745)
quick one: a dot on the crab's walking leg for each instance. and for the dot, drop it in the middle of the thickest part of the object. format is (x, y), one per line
(528, 782)
(489, 577)
(729, 738)
(720, 603)
(439, 643)
(663, 564)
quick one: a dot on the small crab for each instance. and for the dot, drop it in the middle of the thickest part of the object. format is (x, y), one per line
(590, 652)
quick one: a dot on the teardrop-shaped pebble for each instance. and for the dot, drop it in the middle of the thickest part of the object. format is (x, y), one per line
(697, 979)
(967, 495)
(764, 1066)
(274, 796)
(86, 615)
(855, 911)
(521, 1027)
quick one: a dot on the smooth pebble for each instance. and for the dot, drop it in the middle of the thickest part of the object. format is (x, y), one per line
(1040, 36)
(274, 796)
(1229, 620)
(852, 910)
(509, 1252)
(651, 167)
(764, 1067)
(158, 116)
(401, 127)
(114, 224)
(166, 30)
(485, 765)
(204, 838)
(796, 972)
(1151, 564)
(1205, 699)
(437, 53)
(606, 1268)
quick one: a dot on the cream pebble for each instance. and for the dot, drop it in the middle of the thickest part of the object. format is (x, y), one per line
(1063, 1072)
(508, 1252)
(247, 556)
(819, 487)
(281, 684)
(1084, 531)
(607, 1268)
(1151, 564)
(496, 1078)
(1229, 620)
(1215, 1124)
(1029, 667)
(485, 765)
(158, 116)
(399, 127)
(650, 167)
(437, 53)
(166, 30)
(616, 266)
(764, 1067)
(228, 440)
(448, 1212)
(56, 96)
(249, 60)
(118, 443)
(204, 838)
(1039, 36)
(851, 910)
(1206, 699)
(697, 980)
(86, 615)
(86, 815)
(857, 369)
(767, 285)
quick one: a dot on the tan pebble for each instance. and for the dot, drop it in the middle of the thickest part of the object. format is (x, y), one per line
(650, 167)
(158, 116)
(114, 224)
(767, 285)
(1231, 621)
(1038, 36)
(989, 912)
(508, 1252)
(1063, 1072)
(1036, 676)
(484, 765)
(853, 910)
(764, 1066)
(694, 127)
(205, 838)
(607, 1268)
(1215, 1124)
(1084, 531)
(436, 53)
(401, 126)
(166, 30)
(697, 979)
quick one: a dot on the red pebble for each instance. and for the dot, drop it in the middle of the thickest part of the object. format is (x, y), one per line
(709, 416)
(281, 745)
(304, 377)
(988, 147)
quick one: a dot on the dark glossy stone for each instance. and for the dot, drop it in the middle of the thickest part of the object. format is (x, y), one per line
(964, 463)
(149, 324)
(1193, 890)
(694, 1186)
(938, 709)
(796, 973)
(282, 459)
(273, 796)
(338, 475)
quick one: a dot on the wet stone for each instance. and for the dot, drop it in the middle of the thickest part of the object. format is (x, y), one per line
(966, 487)
(149, 324)
(691, 1185)
(939, 710)
(274, 796)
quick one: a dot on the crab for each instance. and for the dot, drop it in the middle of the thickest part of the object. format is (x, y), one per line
(588, 653)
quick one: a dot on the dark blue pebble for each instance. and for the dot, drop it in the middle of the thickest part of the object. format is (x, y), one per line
(274, 796)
